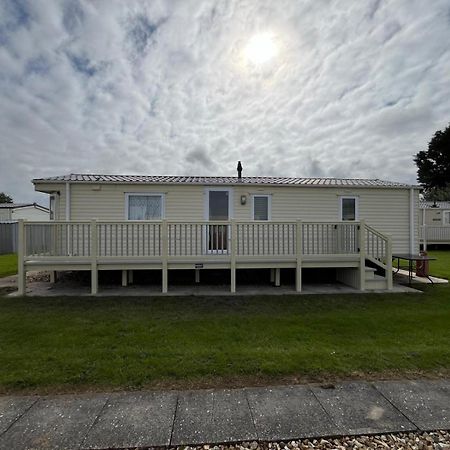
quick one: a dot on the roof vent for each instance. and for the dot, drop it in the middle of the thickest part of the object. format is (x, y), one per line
(239, 170)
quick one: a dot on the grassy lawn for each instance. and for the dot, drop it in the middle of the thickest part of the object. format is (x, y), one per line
(440, 267)
(8, 264)
(75, 344)
(64, 344)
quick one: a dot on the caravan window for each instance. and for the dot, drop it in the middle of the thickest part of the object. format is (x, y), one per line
(261, 207)
(145, 206)
(446, 217)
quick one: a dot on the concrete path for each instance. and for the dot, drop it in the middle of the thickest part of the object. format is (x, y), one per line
(47, 289)
(403, 276)
(140, 419)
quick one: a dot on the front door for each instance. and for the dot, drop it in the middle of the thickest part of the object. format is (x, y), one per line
(218, 210)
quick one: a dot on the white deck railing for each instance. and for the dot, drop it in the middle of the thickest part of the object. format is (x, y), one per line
(376, 244)
(435, 235)
(378, 250)
(145, 239)
(163, 242)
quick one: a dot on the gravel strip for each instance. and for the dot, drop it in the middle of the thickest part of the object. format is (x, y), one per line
(402, 441)
(38, 276)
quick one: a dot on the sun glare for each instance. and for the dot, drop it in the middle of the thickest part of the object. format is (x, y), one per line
(260, 49)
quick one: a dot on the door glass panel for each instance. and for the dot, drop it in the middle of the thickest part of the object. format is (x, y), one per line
(218, 205)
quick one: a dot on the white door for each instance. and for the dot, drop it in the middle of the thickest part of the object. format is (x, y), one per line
(218, 210)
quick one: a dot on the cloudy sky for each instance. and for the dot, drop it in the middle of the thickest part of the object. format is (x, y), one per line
(335, 88)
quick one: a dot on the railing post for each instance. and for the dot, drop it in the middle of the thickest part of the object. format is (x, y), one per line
(362, 255)
(53, 239)
(164, 255)
(94, 252)
(233, 254)
(389, 274)
(68, 239)
(299, 253)
(21, 250)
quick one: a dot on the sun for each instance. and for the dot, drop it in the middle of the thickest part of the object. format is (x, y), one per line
(260, 49)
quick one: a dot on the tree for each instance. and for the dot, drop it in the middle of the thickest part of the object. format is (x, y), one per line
(433, 166)
(5, 198)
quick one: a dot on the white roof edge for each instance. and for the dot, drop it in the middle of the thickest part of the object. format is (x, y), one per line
(427, 204)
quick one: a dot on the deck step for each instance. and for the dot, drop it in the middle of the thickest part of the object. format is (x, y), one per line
(370, 273)
(378, 282)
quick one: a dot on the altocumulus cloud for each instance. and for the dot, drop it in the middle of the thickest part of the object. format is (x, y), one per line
(161, 87)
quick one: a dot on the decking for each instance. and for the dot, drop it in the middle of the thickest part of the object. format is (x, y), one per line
(233, 245)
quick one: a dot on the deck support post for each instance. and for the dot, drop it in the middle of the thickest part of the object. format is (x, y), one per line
(21, 271)
(130, 276)
(233, 255)
(197, 275)
(94, 252)
(272, 275)
(277, 277)
(299, 252)
(124, 278)
(362, 255)
(389, 273)
(164, 256)
(53, 276)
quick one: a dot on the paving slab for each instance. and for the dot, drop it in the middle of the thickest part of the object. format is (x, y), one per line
(54, 423)
(11, 408)
(426, 403)
(212, 416)
(289, 412)
(46, 289)
(134, 420)
(358, 408)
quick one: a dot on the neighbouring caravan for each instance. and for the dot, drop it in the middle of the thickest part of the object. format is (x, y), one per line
(434, 223)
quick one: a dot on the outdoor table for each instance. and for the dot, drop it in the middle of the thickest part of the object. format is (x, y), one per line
(410, 257)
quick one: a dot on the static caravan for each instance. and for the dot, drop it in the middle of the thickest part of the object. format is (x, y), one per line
(135, 222)
(435, 223)
(29, 211)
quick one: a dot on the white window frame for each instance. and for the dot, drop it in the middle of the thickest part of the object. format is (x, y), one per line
(146, 194)
(349, 197)
(446, 213)
(269, 206)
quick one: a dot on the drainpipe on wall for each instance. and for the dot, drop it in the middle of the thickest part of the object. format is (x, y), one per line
(412, 245)
(67, 201)
(69, 237)
(424, 229)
